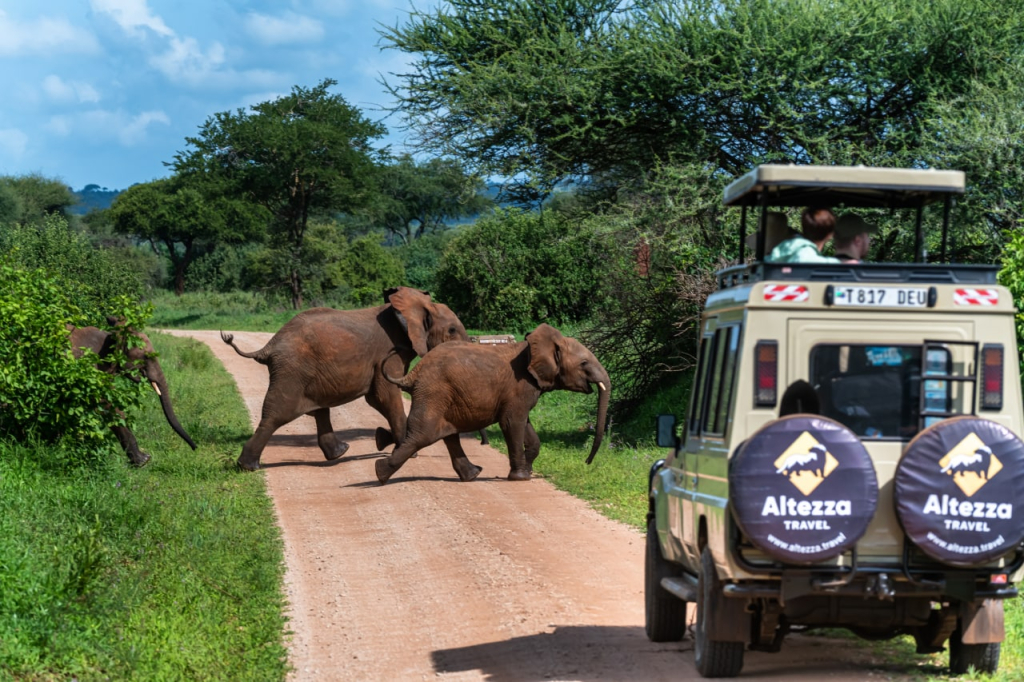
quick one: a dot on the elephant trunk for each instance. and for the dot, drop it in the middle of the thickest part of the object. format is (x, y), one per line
(159, 384)
(604, 391)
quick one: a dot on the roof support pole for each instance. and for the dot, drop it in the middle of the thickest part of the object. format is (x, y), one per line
(919, 237)
(945, 226)
(741, 247)
(762, 222)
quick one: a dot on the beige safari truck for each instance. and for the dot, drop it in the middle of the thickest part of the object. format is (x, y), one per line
(850, 455)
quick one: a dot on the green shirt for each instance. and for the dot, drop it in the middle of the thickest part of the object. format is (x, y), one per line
(798, 249)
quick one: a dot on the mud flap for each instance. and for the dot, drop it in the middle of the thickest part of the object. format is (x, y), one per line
(731, 621)
(982, 623)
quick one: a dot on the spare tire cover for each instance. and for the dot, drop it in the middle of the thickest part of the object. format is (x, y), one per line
(803, 489)
(959, 491)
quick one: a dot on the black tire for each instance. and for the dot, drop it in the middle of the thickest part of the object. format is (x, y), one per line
(712, 658)
(664, 613)
(984, 658)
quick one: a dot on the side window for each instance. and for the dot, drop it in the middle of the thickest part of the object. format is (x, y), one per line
(728, 375)
(721, 381)
(699, 385)
(714, 384)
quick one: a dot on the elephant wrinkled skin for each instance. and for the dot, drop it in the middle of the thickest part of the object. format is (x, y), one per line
(141, 361)
(466, 387)
(324, 357)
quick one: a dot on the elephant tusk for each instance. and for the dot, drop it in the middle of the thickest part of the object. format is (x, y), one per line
(156, 388)
(600, 385)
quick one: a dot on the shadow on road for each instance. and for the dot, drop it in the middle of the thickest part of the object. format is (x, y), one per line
(590, 653)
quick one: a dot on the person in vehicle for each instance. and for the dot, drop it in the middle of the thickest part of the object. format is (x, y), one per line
(818, 224)
(776, 231)
(853, 238)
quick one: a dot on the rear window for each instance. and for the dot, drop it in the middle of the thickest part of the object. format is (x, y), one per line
(876, 390)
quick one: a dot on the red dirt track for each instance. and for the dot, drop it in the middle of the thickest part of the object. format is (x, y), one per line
(429, 578)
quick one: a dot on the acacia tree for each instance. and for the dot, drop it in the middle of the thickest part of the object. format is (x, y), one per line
(605, 90)
(297, 155)
(415, 198)
(180, 222)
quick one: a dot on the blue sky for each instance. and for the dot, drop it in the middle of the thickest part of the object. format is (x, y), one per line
(105, 91)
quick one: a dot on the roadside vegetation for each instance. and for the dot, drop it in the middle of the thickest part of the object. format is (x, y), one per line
(631, 118)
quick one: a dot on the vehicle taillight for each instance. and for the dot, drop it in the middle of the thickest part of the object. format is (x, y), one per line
(992, 377)
(766, 386)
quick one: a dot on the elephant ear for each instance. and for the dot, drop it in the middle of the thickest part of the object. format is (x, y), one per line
(545, 355)
(412, 309)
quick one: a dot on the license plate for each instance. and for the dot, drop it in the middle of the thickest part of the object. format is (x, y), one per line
(882, 297)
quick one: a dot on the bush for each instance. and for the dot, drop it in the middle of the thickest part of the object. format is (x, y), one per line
(1012, 277)
(45, 393)
(367, 269)
(421, 258)
(514, 269)
(92, 279)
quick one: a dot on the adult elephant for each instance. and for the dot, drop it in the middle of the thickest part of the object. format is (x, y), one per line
(324, 357)
(141, 364)
(466, 387)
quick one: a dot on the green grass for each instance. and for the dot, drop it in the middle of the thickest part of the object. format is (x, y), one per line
(236, 311)
(173, 571)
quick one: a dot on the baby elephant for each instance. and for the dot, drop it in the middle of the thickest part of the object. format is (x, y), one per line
(459, 387)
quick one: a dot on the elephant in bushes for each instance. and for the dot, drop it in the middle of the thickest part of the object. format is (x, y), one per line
(323, 358)
(141, 363)
(463, 387)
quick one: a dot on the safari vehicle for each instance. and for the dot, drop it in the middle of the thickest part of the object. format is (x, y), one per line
(850, 456)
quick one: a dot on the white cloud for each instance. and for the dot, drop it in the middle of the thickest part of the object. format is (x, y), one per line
(132, 15)
(103, 125)
(13, 143)
(59, 90)
(185, 61)
(288, 29)
(45, 35)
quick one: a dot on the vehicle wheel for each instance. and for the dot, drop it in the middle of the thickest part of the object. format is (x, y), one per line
(664, 613)
(713, 658)
(984, 658)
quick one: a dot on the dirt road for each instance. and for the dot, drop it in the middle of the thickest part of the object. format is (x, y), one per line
(430, 578)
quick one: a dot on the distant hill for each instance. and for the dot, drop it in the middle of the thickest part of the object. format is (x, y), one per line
(93, 197)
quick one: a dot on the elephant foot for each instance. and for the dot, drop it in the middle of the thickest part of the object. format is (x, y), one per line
(384, 470)
(140, 459)
(338, 452)
(469, 472)
(383, 438)
(520, 475)
(248, 466)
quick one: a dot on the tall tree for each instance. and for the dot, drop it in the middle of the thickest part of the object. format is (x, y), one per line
(416, 198)
(180, 222)
(35, 197)
(605, 90)
(303, 153)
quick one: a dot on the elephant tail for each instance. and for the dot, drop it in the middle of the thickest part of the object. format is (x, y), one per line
(260, 355)
(405, 383)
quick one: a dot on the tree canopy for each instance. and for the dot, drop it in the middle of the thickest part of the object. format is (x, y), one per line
(301, 154)
(182, 221)
(605, 90)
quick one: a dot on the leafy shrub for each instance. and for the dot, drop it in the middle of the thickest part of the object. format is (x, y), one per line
(421, 257)
(513, 269)
(45, 393)
(1011, 275)
(93, 279)
(367, 269)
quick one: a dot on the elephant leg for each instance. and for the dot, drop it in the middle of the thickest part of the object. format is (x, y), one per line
(329, 443)
(532, 445)
(131, 446)
(466, 470)
(386, 398)
(415, 440)
(515, 433)
(484, 440)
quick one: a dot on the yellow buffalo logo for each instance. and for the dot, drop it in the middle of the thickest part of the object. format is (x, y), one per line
(806, 463)
(971, 463)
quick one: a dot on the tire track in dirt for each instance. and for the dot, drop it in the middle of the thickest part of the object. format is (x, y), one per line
(430, 578)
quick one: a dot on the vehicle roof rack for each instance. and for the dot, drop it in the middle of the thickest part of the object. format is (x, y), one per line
(865, 273)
